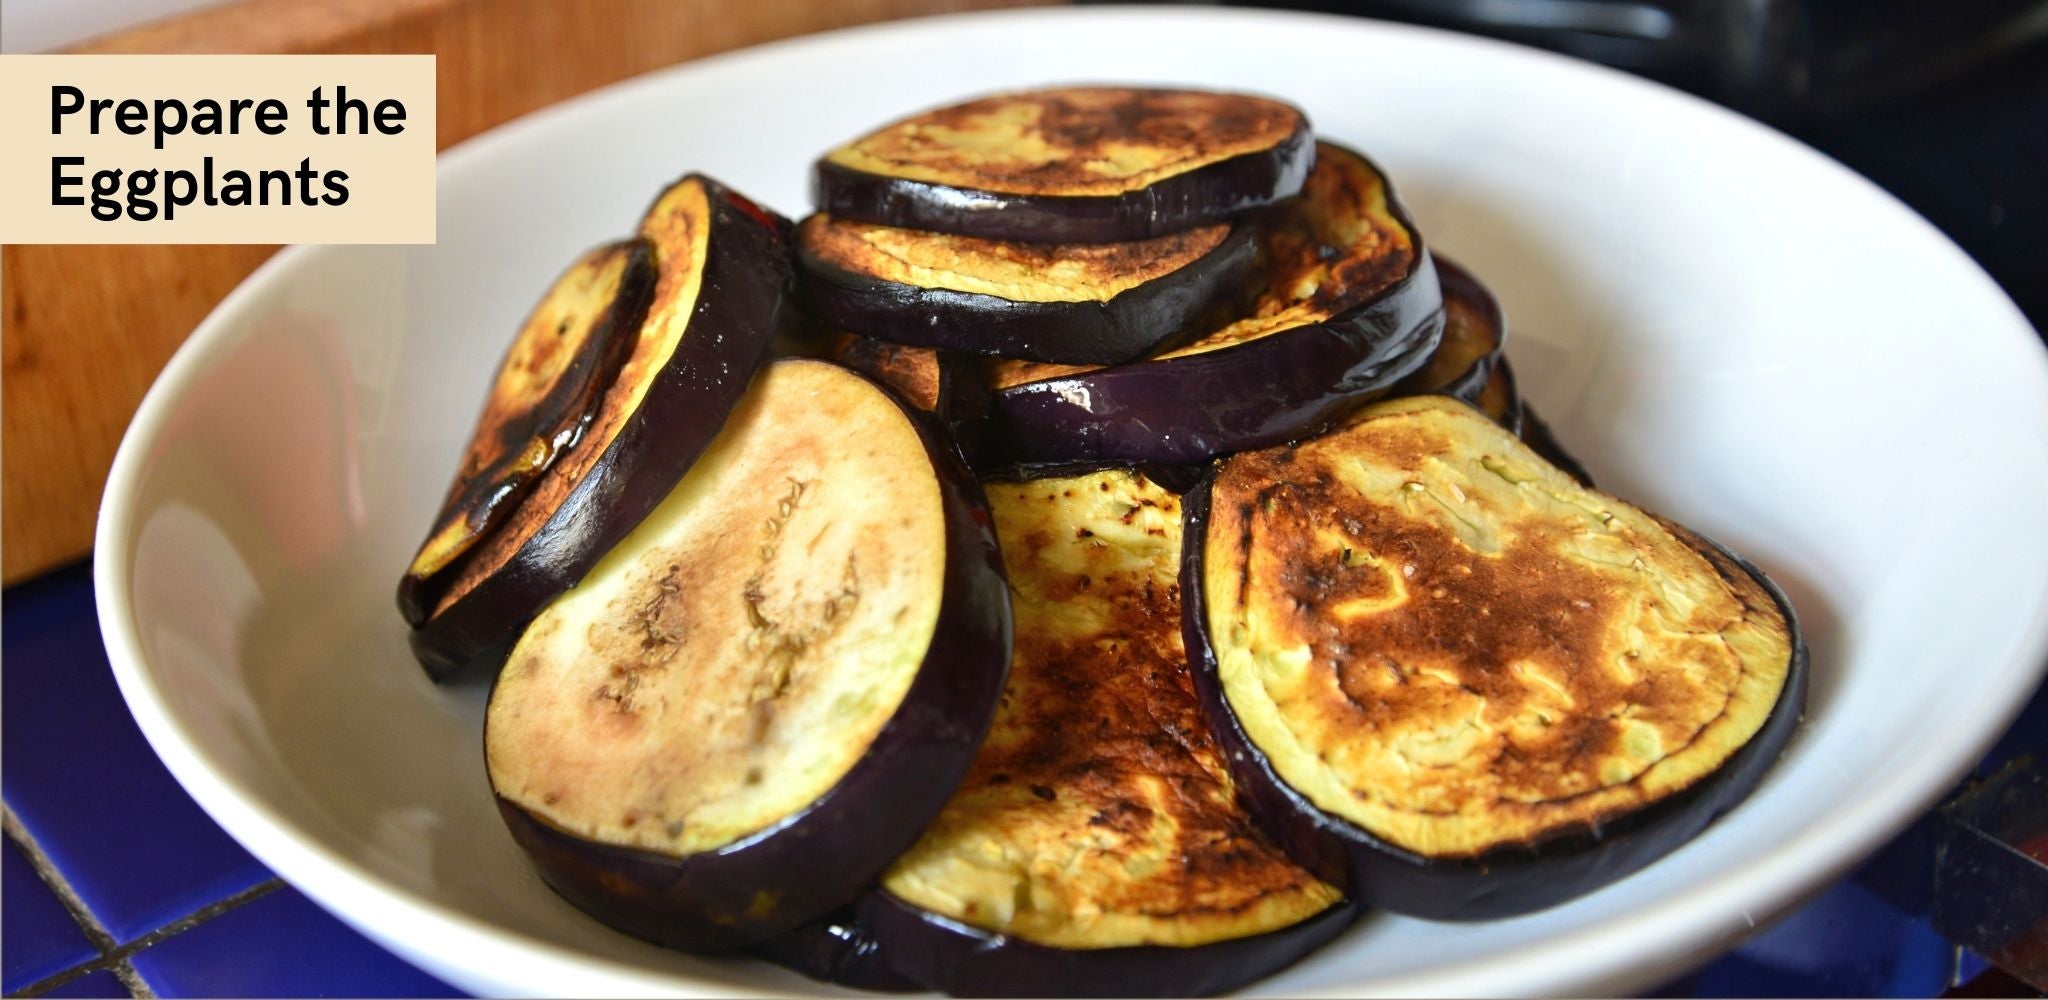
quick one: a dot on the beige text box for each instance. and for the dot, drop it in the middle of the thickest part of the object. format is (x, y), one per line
(357, 183)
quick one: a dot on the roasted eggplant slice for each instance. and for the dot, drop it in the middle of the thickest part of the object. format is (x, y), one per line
(1499, 399)
(544, 397)
(1068, 302)
(1352, 306)
(946, 384)
(758, 699)
(1475, 334)
(836, 948)
(721, 270)
(1097, 845)
(1072, 164)
(1465, 684)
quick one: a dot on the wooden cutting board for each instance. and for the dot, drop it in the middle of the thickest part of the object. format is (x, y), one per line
(84, 329)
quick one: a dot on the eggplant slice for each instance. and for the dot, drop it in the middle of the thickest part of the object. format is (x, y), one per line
(692, 744)
(946, 384)
(1096, 846)
(545, 395)
(1351, 307)
(1471, 688)
(1072, 164)
(1475, 337)
(722, 267)
(1068, 302)
(836, 948)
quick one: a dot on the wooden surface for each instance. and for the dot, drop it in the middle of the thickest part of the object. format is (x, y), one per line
(84, 329)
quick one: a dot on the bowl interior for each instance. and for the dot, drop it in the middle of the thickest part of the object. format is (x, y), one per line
(1728, 328)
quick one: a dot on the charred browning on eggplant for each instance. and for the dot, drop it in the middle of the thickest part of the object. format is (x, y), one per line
(679, 236)
(543, 399)
(689, 743)
(1100, 813)
(1019, 272)
(770, 600)
(1339, 245)
(917, 373)
(1075, 141)
(1441, 639)
(717, 301)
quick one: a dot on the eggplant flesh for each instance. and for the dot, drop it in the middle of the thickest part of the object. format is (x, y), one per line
(1351, 306)
(811, 616)
(1066, 302)
(946, 384)
(1461, 681)
(545, 393)
(718, 301)
(1074, 164)
(1099, 817)
(1475, 337)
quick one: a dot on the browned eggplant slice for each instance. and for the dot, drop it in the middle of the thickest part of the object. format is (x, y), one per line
(719, 298)
(544, 396)
(836, 948)
(1096, 846)
(1072, 164)
(1499, 399)
(1475, 335)
(1070, 302)
(1352, 307)
(1465, 684)
(758, 699)
(946, 384)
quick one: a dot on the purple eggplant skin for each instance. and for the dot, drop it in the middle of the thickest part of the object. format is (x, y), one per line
(821, 857)
(1261, 392)
(1503, 882)
(1121, 328)
(743, 305)
(963, 961)
(1460, 285)
(836, 949)
(1201, 196)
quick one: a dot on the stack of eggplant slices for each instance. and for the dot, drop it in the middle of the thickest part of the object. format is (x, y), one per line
(1100, 551)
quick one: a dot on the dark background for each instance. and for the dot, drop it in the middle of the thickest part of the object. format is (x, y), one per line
(1942, 102)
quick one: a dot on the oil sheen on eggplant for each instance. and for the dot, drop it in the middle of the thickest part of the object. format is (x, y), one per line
(692, 743)
(544, 396)
(1096, 846)
(1350, 308)
(1065, 302)
(1071, 164)
(721, 271)
(1467, 683)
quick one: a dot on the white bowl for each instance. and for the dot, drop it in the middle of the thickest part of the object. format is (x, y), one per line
(1728, 327)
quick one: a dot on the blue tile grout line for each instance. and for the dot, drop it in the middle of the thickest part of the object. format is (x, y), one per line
(113, 956)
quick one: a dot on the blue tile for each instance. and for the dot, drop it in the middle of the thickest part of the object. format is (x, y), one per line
(81, 778)
(1847, 942)
(279, 945)
(38, 938)
(99, 983)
